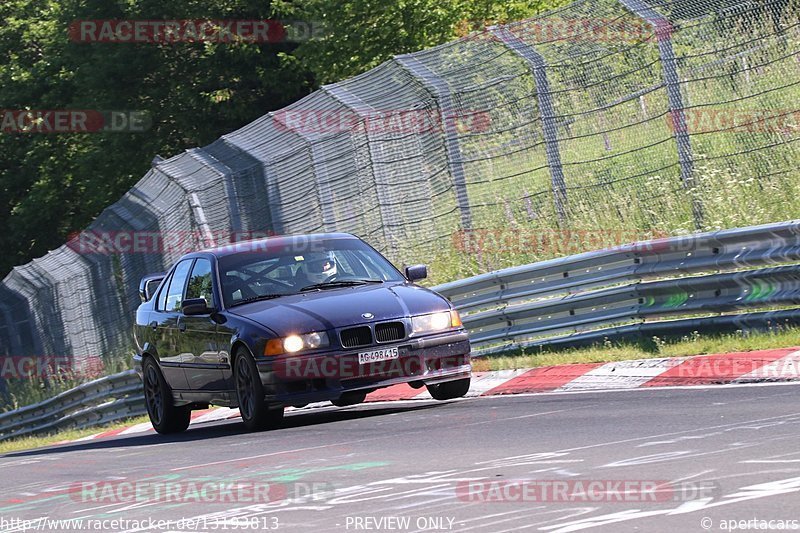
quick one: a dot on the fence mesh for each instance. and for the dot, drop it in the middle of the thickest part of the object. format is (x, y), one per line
(605, 121)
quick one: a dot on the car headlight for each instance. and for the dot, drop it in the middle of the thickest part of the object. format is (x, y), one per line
(432, 322)
(295, 343)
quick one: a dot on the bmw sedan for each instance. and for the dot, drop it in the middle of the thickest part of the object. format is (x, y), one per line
(285, 321)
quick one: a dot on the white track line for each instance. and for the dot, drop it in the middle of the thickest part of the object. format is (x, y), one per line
(622, 374)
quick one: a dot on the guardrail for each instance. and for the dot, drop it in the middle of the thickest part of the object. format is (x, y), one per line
(725, 280)
(612, 293)
(101, 401)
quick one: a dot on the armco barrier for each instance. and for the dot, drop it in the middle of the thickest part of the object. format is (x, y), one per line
(592, 295)
(737, 279)
(100, 401)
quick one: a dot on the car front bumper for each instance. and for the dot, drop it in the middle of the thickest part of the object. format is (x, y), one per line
(301, 379)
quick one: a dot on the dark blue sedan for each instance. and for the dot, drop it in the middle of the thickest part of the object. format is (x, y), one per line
(286, 321)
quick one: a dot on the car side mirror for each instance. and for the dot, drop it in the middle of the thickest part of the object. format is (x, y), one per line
(195, 306)
(416, 272)
(148, 286)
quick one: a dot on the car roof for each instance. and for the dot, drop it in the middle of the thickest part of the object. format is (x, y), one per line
(276, 241)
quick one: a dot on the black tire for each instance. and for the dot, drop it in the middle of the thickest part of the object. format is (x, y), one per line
(165, 417)
(256, 414)
(449, 389)
(350, 398)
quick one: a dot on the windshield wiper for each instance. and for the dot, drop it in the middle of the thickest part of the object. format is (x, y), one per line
(339, 283)
(258, 298)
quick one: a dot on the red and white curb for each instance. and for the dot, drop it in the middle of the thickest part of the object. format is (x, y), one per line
(742, 367)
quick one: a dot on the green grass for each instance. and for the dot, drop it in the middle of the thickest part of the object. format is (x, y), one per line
(696, 344)
(626, 180)
(22, 392)
(37, 388)
(29, 443)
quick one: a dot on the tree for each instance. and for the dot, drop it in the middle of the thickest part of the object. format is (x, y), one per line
(356, 35)
(52, 185)
(55, 184)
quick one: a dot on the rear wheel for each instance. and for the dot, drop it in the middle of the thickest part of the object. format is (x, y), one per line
(449, 389)
(350, 398)
(256, 414)
(165, 417)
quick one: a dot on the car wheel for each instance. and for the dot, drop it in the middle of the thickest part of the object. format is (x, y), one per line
(449, 389)
(350, 398)
(165, 417)
(256, 414)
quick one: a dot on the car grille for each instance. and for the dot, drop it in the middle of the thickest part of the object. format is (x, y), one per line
(390, 331)
(360, 336)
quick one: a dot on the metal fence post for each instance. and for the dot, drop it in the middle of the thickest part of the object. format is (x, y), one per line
(273, 194)
(227, 177)
(538, 67)
(14, 346)
(270, 184)
(438, 87)
(35, 321)
(321, 177)
(663, 30)
(200, 219)
(323, 186)
(363, 110)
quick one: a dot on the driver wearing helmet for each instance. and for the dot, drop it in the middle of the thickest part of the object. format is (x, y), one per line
(318, 268)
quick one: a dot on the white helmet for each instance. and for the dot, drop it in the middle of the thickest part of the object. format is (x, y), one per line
(319, 267)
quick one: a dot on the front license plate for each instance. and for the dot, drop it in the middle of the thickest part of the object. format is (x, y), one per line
(377, 355)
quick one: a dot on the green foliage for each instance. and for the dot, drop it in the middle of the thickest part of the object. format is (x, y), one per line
(29, 443)
(55, 184)
(52, 185)
(360, 34)
(21, 391)
(690, 345)
(621, 166)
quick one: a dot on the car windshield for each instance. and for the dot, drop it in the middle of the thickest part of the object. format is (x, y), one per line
(272, 269)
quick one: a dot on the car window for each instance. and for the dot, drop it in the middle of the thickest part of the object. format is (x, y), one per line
(161, 299)
(199, 285)
(260, 272)
(274, 275)
(176, 286)
(285, 273)
(360, 264)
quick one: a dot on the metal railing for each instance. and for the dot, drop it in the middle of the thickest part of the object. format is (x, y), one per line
(738, 279)
(577, 296)
(97, 402)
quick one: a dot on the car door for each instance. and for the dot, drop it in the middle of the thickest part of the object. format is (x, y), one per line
(200, 334)
(164, 323)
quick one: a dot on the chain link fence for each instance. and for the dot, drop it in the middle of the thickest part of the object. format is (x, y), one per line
(616, 119)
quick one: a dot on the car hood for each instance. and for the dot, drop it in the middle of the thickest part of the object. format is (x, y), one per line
(334, 308)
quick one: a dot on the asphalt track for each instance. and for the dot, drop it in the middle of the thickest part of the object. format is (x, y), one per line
(694, 459)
